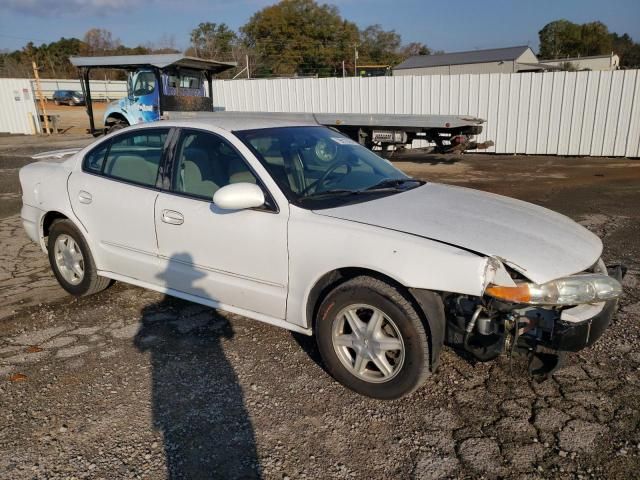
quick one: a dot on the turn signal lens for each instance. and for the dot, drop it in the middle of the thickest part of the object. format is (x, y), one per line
(573, 290)
(517, 294)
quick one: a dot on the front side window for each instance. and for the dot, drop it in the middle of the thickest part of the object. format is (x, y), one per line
(145, 84)
(206, 162)
(133, 157)
(311, 164)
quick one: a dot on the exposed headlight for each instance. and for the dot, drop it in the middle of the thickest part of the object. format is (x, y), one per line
(573, 290)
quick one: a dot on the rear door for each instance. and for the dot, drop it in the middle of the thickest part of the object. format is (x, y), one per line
(114, 195)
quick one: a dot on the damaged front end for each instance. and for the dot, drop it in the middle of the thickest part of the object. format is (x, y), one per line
(516, 317)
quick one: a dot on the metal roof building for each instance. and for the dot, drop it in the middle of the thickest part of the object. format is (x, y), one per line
(496, 60)
(596, 62)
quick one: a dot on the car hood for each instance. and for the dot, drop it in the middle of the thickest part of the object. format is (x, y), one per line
(541, 244)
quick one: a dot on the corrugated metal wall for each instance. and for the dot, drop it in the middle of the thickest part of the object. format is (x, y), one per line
(556, 113)
(100, 89)
(18, 113)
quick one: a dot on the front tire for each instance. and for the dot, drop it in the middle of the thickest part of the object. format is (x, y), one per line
(117, 125)
(372, 339)
(72, 262)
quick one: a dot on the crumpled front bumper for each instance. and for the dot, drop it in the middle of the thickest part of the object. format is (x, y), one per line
(572, 334)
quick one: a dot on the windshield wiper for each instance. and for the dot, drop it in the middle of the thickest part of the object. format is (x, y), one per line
(335, 191)
(393, 183)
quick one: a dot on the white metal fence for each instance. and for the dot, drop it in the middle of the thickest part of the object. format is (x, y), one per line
(100, 89)
(557, 113)
(18, 113)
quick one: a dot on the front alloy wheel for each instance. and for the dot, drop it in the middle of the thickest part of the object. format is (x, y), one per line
(372, 339)
(368, 343)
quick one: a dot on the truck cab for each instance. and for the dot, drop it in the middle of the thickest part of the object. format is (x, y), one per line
(142, 103)
(181, 89)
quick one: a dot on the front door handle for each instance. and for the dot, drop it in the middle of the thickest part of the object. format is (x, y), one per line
(172, 217)
(84, 197)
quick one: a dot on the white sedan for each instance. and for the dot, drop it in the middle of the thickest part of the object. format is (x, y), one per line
(298, 226)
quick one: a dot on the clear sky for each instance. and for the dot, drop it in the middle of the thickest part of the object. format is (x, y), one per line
(441, 24)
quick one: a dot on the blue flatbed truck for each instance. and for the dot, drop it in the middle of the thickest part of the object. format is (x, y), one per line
(175, 85)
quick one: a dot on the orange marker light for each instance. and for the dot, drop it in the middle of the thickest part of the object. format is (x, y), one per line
(518, 294)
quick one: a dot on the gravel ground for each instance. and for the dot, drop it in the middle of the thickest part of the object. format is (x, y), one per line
(130, 384)
(74, 119)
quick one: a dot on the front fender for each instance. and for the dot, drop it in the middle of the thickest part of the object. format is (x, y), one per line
(319, 245)
(117, 110)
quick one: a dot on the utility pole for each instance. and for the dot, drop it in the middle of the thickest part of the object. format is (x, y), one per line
(355, 61)
(247, 60)
(39, 93)
(344, 73)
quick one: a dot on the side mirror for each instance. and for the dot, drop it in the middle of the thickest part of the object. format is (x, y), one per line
(239, 196)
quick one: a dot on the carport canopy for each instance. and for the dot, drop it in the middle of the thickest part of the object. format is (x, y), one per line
(161, 61)
(158, 62)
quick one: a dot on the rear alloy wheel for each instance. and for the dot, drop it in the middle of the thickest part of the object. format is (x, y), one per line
(69, 259)
(72, 262)
(372, 339)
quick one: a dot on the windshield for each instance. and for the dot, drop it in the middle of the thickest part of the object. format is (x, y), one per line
(316, 165)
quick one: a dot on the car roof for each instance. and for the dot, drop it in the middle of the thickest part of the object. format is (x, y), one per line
(238, 121)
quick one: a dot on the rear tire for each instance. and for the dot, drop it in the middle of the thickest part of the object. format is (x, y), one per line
(372, 339)
(72, 262)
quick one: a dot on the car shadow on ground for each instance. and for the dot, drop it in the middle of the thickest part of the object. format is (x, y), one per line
(197, 402)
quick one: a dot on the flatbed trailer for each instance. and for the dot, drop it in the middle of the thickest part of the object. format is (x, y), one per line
(173, 86)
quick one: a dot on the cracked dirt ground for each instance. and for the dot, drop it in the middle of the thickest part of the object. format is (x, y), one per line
(128, 384)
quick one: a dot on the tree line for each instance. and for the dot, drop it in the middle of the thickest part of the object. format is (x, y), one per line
(300, 38)
(564, 39)
(53, 58)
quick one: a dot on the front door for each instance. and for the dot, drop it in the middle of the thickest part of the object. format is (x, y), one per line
(235, 258)
(114, 196)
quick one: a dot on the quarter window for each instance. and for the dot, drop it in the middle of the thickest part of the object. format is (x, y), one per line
(94, 160)
(205, 163)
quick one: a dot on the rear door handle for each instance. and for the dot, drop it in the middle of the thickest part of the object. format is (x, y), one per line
(172, 217)
(84, 197)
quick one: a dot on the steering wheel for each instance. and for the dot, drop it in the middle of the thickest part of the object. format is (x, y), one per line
(332, 168)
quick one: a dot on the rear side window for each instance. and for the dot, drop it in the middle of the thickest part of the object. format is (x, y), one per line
(133, 157)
